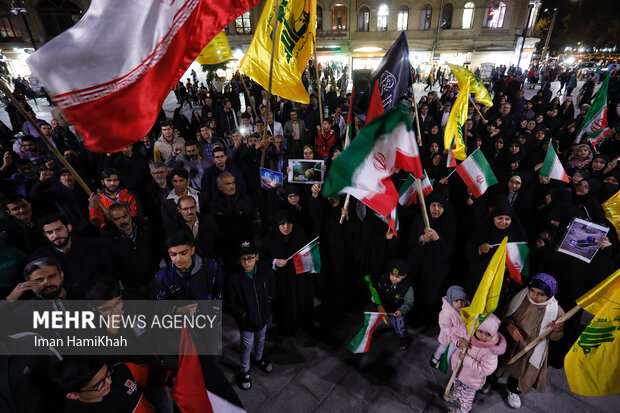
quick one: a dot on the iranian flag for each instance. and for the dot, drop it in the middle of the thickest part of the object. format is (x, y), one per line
(365, 168)
(552, 167)
(476, 173)
(393, 222)
(361, 342)
(112, 71)
(408, 192)
(595, 121)
(308, 258)
(451, 160)
(517, 260)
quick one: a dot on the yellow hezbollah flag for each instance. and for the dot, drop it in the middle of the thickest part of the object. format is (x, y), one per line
(487, 295)
(295, 36)
(217, 51)
(456, 121)
(612, 211)
(592, 364)
(476, 86)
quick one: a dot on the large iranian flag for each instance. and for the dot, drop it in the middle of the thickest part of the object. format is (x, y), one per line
(476, 173)
(517, 260)
(552, 167)
(365, 168)
(595, 121)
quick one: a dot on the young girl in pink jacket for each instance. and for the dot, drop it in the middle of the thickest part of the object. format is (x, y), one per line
(450, 321)
(479, 361)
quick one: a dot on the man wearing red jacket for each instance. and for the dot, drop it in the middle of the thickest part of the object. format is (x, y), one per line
(111, 193)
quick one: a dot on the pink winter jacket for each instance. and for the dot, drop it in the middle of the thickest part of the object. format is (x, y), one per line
(479, 362)
(450, 322)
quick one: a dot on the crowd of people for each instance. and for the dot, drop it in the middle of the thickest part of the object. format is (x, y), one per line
(181, 214)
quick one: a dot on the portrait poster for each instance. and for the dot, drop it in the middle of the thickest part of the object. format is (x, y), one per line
(305, 171)
(581, 239)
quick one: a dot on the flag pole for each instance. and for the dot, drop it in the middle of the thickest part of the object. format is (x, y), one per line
(543, 335)
(273, 50)
(302, 248)
(422, 203)
(476, 107)
(318, 84)
(417, 121)
(45, 139)
(247, 92)
(460, 362)
(345, 207)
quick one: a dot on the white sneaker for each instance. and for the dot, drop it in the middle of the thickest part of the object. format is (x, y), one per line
(450, 397)
(514, 400)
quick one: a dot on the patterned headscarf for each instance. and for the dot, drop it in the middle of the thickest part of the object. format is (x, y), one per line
(546, 283)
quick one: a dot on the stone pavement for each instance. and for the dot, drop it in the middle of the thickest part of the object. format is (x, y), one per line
(312, 375)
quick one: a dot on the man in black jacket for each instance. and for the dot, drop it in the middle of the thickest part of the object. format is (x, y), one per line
(250, 292)
(130, 244)
(203, 227)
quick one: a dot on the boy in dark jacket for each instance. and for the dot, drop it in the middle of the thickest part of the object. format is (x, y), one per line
(249, 295)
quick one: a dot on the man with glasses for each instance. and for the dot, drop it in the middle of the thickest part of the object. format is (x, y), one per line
(250, 292)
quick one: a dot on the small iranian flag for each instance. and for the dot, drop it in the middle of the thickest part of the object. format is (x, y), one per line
(476, 173)
(451, 161)
(393, 223)
(361, 342)
(552, 167)
(517, 260)
(408, 192)
(308, 258)
(365, 168)
(596, 119)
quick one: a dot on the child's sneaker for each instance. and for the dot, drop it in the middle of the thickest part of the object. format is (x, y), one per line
(455, 409)
(264, 365)
(244, 381)
(514, 400)
(404, 343)
(434, 362)
(450, 397)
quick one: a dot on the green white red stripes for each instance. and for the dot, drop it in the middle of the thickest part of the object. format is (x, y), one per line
(552, 167)
(517, 260)
(595, 120)
(408, 192)
(308, 259)
(361, 342)
(476, 173)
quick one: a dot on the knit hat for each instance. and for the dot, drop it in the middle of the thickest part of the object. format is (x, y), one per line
(456, 292)
(546, 283)
(491, 325)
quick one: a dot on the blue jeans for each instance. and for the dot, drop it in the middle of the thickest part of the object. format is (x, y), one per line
(398, 324)
(249, 338)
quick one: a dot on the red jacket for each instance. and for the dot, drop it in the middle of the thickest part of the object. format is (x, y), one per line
(124, 196)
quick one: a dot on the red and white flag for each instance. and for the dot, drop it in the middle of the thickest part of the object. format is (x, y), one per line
(112, 71)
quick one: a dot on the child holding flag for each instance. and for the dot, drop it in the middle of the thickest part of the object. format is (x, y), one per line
(450, 321)
(529, 313)
(479, 361)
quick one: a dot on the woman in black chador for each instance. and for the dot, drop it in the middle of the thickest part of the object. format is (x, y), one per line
(292, 306)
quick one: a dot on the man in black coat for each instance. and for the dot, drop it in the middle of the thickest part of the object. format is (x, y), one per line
(130, 244)
(19, 226)
(82, 259)
(203, 227)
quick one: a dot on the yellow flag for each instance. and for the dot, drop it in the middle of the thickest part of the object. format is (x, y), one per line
(217, 51)
(295, 36)
(612, 210)
(593, 300)
(456, 121)
(487, 295)
(476, 86)
(592, 364)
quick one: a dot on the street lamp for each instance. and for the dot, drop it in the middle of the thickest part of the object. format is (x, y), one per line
(20, 9)
(544, 53)
(530, 6)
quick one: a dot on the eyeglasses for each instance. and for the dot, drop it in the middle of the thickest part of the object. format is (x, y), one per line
(247, 259)
(101, 383)
(108, 309)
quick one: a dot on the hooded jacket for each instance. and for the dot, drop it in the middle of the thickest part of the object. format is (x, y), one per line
(450, 323)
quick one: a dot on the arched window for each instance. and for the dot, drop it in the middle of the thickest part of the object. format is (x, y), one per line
(339, 17)
(382, 17)
(494, 15)
(242, 24)
(403, 18)
(319, 18)
(468, 15)
(364, 19)
(425, 18)
(446, 16)
(58, 15)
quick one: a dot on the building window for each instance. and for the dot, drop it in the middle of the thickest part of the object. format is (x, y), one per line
(339, 18)
(494, 15)
(468, 15)
(446, 16)
(425, 19)
(242, 24)
(319, 18)
(403, 18)
(382, 17)
(364, 19)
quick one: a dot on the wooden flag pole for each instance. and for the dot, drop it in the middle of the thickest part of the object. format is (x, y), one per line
(543, 335)
(247, 92)
(417, 120)
(460, 362)
(476, 107)
(318, 84)
(345, 207)
(427, 224)
(45, 139)
(273, 50)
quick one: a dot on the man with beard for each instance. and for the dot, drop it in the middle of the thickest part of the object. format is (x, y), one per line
(111, 193)
(44, 277)
(19, 225)
(81, 258)
(209, 185)
(192, 161)
(202, 226)
(130, 244)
